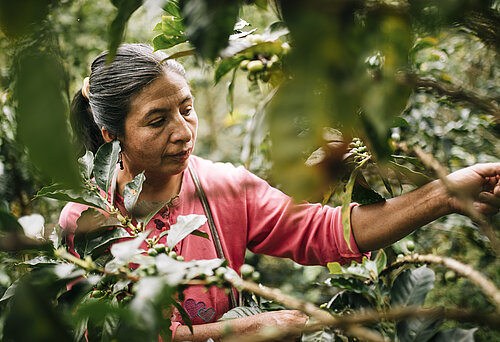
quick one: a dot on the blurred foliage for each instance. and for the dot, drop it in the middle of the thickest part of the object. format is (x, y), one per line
(419, 72)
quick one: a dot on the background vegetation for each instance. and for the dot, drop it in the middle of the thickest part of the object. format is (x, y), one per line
(396, 74)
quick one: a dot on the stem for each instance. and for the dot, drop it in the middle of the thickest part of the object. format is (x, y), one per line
(485, 284)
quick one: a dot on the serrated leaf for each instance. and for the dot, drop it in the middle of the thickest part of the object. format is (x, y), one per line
(184, 226)
(225, 66)
(105, 164)
(92, 220)
(82, 195)
(240, 312)
(163, 42)
(86, 164)
(455, 335)
(86, 245)
(411, 287)
(117, 28)
(418, 329)
(132, 191)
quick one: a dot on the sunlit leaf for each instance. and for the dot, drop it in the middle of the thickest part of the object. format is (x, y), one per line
(225, 66)
(163, 42)
(132, 191)
(241, 311)
(171, 26)
(123, 251)
(381, 260)
(86, 163)
(81, 195)
(184, 226)
(11, 290)
(346, 208)
(105, 164)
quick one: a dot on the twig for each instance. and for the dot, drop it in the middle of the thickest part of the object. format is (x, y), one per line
(464, 198)
(486, 285)
(457, 94)
(310, 309)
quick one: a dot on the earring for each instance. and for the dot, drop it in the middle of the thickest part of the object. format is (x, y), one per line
(120, 160)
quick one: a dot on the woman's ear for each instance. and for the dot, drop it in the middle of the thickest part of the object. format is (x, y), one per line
(108, 137)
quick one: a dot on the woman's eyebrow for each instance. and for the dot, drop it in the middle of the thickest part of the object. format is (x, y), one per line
(161, 110)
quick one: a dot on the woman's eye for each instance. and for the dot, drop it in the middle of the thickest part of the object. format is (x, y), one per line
(157, 123)
(187, 111)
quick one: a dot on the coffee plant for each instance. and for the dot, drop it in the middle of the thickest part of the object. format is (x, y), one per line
(359, 101)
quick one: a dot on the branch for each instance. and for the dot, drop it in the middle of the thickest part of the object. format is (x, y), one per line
(464, 198)
(310, 309)
(457, 94)
(485, 284)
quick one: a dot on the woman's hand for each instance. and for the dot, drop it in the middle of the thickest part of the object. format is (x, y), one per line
(289, 320)
(481, 183)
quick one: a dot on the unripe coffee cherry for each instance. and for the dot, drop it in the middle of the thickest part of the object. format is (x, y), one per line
(152, 252)
(255, 65)
(246, 270)
(172, 254)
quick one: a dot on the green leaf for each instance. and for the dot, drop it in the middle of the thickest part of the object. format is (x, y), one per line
(200, 234)
(86, 163)
(163, 42)
(184, 226)
(418, 329)
(455, 335)
(81, 195)
(381, 260)
(105, 164)
(172, 8)
(42, 261)
(172, 26)
(225, 66)
(346, 299)
(93, 220)
(353, 285)
(144, 211)
(355, 270)
(230, 93)
(346, 207)
(363, 194)
(411, 287)
(11, 290)
(209, 24)
(262, 4)
(324, 335)
(41, 116)
(117, 28)
(240, 312)
(184, 315)
(416, 178)
(8, 222)
(95, 246)
(123, 251)
(132, 191)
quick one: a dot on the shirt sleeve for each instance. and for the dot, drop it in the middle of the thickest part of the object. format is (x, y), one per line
(310, 234)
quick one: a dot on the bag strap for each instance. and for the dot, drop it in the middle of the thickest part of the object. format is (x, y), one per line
(211, 223)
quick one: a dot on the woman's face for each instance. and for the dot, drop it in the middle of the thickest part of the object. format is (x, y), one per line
(160, 129)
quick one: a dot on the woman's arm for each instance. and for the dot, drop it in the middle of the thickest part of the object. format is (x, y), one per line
(285, 319)
(378, 225)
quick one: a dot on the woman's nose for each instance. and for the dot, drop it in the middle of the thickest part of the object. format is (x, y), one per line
(181, 130)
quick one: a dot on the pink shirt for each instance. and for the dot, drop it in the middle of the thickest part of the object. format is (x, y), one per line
(248, 213)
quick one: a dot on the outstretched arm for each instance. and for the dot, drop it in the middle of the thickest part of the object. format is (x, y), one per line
(378, 225)
(284, 319)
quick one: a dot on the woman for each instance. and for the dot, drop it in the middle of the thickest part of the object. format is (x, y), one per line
(148, 106)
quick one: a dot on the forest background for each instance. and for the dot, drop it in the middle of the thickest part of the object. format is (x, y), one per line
(454, 117)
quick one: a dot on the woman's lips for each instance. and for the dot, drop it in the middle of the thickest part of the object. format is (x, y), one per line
(182, 156)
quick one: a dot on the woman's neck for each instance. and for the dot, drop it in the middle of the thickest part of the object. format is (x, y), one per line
(154, 189)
